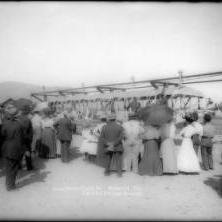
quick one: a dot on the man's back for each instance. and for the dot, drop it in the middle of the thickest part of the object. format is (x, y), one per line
(12, 135)
(111, 131)
(27, 128)
(208, 130)
(65, 129)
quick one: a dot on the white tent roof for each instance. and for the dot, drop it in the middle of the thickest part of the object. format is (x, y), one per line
(171, 90)
(186, 91)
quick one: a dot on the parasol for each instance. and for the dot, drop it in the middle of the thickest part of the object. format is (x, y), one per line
(155, 114)
(24, 104)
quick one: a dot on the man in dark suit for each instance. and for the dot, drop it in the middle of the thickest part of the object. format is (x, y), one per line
(65, 128)
(28, 135)
(134, 105)
(1, 118)
(111, 137)
(12, 147)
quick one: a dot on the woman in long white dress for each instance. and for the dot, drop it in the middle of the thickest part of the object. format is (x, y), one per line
(168, 148)
(89, 145)
(187, 160)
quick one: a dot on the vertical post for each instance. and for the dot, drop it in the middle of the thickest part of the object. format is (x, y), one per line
(44, 96)
(83, 85)
(180, 72)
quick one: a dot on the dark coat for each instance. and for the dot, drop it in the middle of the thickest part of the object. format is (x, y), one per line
(112, 133)
(65, 129)
(134, 105)
(12, 135)
(27, 129)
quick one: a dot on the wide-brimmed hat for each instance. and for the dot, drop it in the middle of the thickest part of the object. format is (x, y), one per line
(189, 117)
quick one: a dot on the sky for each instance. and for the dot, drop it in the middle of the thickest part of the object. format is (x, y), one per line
(70, 43)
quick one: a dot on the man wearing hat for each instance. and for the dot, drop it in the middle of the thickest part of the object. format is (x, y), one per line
(65, 128)
(12, 148)
(134, 105)
(28, 134)
(111, 137)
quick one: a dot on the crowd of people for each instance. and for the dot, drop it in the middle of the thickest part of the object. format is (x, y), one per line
(90, 109)
(117, 146)
(151, 150)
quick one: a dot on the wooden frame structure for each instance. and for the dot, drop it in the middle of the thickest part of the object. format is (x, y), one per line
(121, 87)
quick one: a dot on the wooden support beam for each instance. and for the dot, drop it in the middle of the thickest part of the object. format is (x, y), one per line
(109, 88)
(99, 89)
(204, 81)
(187, 79)
(36, 97)
(164, 83)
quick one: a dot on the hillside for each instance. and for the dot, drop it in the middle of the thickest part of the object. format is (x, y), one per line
(17, 90)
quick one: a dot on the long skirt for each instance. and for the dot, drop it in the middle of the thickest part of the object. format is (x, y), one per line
(65, 150)
(36, 138)
(187, 160)
(150, 163)
(169, 157)
(116, 162)
(48, 143)
(101, 157)
(58, 147)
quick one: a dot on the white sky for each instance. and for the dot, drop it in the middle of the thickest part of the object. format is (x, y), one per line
(67, 43)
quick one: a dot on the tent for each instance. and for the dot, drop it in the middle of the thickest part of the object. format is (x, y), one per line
(183, 91)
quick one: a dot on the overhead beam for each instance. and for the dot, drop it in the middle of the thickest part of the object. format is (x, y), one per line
(51, 95)
(110, 88)
(74, 92)
(99, 89)
(113, 86)
(164, 83)
(61, 93)
(204, 81)
(36, 97)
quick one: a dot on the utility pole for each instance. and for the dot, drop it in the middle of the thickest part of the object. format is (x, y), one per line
(44, 97)
(132, 78)
(180, 73)
(83, 85)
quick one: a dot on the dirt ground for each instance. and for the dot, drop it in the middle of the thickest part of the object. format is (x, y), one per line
(79, 190)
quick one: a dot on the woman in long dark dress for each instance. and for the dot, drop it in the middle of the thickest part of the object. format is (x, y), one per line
(150, 163)
(101, 157)
(48, 139)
